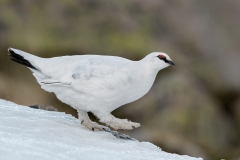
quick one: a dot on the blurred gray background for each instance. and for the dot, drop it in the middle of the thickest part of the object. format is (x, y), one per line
(192, 108)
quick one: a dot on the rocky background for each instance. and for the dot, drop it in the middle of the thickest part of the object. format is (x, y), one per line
(193, 108)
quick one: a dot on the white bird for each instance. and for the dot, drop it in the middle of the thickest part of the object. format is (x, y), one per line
(94, 83)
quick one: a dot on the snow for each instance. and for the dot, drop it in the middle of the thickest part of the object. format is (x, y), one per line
(27, 133)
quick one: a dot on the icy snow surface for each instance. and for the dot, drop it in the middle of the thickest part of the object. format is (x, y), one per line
(27, 133)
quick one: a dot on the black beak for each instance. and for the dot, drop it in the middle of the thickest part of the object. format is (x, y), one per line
(171, 63)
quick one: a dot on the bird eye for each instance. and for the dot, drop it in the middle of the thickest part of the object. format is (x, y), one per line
(161, 56)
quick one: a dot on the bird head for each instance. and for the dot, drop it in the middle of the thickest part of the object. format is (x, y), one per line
(159, 60)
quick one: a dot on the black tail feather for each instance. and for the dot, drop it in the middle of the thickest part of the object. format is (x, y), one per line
(20, 59)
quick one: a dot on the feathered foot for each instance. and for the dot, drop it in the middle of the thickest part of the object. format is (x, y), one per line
(117, 123)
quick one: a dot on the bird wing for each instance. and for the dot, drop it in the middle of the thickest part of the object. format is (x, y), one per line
(93, 74)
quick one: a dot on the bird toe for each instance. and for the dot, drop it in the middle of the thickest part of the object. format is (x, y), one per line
(91, 125)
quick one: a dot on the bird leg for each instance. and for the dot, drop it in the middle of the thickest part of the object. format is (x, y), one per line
(117, 123)
(85, 120)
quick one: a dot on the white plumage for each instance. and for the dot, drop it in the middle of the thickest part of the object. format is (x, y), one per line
(94, 83)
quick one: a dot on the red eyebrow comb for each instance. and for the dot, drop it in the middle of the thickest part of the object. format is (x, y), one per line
(162, 56)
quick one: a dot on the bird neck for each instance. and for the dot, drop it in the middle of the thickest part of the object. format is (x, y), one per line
(152, 67)
(148, 69)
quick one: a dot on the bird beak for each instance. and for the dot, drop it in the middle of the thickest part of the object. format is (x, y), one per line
(171, 63)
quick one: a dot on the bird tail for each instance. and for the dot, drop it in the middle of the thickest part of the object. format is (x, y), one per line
(23, 58)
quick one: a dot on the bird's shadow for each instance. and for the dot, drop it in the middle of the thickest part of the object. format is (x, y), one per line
(119, 135)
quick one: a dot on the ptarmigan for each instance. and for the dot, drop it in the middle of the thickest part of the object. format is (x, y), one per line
(94, 83)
